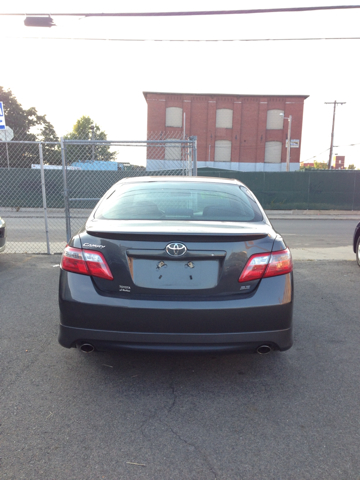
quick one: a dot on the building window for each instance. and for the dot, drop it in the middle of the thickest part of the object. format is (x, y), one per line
(173, 150)
(273, 152)
(174, 117)
(222, 151)
(275, 120)
(224, 118)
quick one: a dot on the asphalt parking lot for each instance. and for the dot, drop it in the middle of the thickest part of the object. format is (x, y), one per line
(292, 415)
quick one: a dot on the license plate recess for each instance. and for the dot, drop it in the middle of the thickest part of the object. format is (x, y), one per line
(175, 274)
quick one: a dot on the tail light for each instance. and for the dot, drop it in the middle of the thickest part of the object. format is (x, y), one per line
(263, 265)
(86, 262)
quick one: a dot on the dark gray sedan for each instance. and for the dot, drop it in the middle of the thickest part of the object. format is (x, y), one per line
(356, 243)
(2, 234)
(177, 264)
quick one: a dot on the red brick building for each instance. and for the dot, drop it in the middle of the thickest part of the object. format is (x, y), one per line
(234, 132)
(339, 162)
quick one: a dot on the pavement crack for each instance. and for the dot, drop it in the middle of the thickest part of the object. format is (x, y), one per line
(174, 396)
(202, 454)
(149, 418)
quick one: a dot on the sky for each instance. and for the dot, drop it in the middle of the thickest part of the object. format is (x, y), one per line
(104, 79)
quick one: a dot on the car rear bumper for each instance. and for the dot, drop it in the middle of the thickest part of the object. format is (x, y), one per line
(243, 323)
(200, 343)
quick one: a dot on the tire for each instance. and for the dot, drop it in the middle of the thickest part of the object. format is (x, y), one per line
(358, 251)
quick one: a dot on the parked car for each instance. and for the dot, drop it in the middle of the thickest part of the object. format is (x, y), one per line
(356, 243)
(177, 264)
(2, 234)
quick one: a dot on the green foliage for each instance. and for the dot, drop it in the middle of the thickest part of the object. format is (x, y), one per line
(86, 129)
(81, 130)
(28, 125)
(320, 166)
(317, 166)
(351, 167)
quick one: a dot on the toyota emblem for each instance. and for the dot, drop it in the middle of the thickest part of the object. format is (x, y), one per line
(175, 249)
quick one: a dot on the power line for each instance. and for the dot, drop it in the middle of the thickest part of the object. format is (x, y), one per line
(299, 39)
(335, 146)
(317, 155)
(194, 13)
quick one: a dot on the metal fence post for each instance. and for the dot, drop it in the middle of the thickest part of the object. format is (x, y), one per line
(7, 150)
(66, 191)
(188, 160)
(194, 155)
(43, 189)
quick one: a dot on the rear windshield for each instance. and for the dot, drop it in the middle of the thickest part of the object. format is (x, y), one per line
(180, 201)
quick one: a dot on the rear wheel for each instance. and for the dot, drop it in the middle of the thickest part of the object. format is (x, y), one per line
(358, 251)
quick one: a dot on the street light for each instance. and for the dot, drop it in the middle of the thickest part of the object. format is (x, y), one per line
(289, 118)
(43, 21)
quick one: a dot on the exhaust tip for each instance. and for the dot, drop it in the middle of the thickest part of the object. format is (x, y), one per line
(264, 349)
(86, 347)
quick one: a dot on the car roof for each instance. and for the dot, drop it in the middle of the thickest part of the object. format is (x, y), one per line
(229, 181)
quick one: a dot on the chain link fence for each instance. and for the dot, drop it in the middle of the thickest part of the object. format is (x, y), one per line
(48, 189)
(23, 201)
(89, 173)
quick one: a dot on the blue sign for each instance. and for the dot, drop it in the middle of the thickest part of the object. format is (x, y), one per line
(2, 117)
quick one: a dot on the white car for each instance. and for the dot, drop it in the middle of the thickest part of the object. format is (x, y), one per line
(2, 235)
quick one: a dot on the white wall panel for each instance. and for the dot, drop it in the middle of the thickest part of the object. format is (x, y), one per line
(174, 117)
(222, 151)
(275, 120)
(273, 152)
(224, 118)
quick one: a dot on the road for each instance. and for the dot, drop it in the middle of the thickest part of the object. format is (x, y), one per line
(322, 239)
(292, 415)
(27, 233)
(318, 239)
(316, 233)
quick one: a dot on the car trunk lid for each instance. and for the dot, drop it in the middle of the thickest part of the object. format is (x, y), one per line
(173, 258)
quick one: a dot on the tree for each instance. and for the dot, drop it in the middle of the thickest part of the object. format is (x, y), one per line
(315, 166)
(29, 126)
(351, 167)
(320, 166)
(86, 129)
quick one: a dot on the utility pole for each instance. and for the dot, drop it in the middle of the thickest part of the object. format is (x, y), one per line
(289, 118)
(332, 131)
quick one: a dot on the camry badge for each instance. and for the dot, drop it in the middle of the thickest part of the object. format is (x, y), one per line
(93, 245)
(175, 249)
